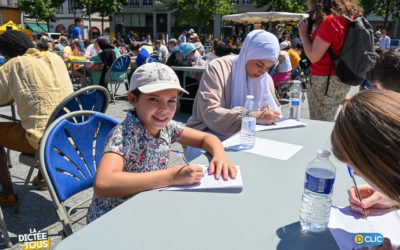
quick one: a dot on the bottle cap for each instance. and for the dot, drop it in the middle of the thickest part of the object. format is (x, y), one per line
(323, 153)
(249, 96)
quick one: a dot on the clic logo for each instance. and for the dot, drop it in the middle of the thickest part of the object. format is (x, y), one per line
(368, 239)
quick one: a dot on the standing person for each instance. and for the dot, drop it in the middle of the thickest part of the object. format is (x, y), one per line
(329, 31)
(163, 39)
(76, 31)
(37, 82)
(377, 37)
(135, 155)
(182, 37)
(384, 42)
(148, 40)
(375, 157)
(219, 102)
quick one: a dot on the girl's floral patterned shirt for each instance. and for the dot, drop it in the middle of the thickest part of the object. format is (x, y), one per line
(142, 151)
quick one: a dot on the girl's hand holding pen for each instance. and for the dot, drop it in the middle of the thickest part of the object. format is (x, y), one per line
(186, 175)
(370, 199)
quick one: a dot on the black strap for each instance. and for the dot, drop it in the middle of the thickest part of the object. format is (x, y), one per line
(330, 69)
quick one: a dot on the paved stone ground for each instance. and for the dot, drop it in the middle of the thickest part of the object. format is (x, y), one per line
(37, 211)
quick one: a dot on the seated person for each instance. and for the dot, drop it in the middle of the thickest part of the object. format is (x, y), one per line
(76, 52)
(49, 84)
(107, 56)
(284, 69)
(375, 157)
(293, 55)
(144, 53)
(219, 102)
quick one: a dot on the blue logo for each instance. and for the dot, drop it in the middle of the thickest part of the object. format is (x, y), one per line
(368, 239)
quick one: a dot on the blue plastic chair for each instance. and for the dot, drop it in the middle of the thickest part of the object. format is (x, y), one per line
(69, 154)
(94, 98)
(120, 65)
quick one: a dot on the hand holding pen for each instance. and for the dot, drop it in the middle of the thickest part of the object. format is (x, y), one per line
(356, 188)
(187, 175)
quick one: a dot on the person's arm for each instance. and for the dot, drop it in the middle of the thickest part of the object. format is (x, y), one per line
(95, 58)
(316, 50)
(220, 162)
(5, 93)
(111, 181)
(370, 199)
(76, 58)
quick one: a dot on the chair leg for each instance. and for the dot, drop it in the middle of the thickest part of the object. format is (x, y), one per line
(9, 158)
(24, 189)
(4, 229)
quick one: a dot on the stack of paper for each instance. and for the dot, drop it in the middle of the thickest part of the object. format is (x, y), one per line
(284, 122)
(209, 182)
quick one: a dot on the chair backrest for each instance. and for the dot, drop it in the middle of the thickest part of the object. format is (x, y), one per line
(121, 64)
(70, 152)
(94, 98)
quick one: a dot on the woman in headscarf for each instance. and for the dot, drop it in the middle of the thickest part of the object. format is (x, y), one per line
(219, 102)
(182, 56)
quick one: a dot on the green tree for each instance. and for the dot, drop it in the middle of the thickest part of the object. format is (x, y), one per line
(384, 8)
(296, 6)
(198, 11)
(40, 9)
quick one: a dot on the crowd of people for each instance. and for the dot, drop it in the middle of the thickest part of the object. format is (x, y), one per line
(139, 145)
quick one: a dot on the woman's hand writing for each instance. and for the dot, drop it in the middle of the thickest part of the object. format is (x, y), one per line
(268, 116)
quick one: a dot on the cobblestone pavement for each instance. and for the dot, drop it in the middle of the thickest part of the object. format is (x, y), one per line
(37, 211)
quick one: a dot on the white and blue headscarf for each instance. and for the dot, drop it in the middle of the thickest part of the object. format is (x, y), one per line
(259, 44)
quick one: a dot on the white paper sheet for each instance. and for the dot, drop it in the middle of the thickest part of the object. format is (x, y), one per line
(284, 122)
(209, 182)
(265, 147)
(344, 223)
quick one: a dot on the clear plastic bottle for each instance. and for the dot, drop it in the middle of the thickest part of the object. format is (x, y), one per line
(248, 131)
(317, 198)
(295, 95)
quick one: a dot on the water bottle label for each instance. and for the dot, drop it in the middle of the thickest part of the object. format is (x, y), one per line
(318, 185)
(295, 102)
(249, 124)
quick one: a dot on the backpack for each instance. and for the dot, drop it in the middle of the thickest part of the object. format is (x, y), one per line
(357, 54)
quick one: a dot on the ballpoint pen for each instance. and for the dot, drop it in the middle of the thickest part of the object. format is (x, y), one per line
(358, 192)
(183, 158)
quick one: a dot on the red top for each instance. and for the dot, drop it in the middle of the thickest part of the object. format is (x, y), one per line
(332, 30)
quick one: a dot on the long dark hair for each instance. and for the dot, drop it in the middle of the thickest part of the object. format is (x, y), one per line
(104, 44)
(323, 8)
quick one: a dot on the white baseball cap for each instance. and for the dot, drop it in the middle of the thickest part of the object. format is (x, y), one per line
(284, 45)
(154, 77)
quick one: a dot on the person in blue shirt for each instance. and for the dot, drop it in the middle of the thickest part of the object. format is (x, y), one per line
(76, 31)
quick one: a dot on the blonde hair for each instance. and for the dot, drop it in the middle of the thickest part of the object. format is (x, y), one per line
(366, 135)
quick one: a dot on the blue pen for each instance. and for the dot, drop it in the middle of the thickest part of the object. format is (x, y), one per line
(358, 192)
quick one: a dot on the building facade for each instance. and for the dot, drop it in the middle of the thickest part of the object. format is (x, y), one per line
(150, 17)
(9, 11)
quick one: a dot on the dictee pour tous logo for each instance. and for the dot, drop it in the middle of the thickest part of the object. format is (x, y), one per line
(34, 240)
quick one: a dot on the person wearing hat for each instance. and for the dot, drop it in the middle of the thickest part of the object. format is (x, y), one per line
(284, 68)
(377, 37)
(136, 152)
(75, 52)
(173, 45)
(162, 51)
(182, 37)
(293, 55)
(37, 82)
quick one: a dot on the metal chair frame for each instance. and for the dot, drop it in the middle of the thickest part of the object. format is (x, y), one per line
(71, 103)
(121, 64)
(69, 161)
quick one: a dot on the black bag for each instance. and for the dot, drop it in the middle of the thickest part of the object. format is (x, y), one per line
(357, 54)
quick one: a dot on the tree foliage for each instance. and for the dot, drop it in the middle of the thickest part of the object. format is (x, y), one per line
(104, 7)
(198, 11)
(296, 6)
(383, 8)
(40, 9)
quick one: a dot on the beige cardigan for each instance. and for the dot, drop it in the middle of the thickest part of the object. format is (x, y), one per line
(211, 108)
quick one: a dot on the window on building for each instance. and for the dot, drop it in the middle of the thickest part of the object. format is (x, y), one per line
(148, 2)
(235, 2)
(248, 2)
(133, 3)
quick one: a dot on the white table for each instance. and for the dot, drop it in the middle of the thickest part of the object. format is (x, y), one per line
(265, 215)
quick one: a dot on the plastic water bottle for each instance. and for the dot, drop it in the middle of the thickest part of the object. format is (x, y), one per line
(318, 187)
(248, 131)
(295, 95)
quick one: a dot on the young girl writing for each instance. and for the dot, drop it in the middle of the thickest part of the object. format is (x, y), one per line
(136, 153)
(366, 136)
